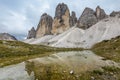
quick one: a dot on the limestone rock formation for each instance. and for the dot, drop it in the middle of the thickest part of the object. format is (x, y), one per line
(45, 25)
(31, 33)
(6, 36)
(61, 19)
(90, 17)
(87, 18)
(115, 13)
(73, 19)
(100, 13)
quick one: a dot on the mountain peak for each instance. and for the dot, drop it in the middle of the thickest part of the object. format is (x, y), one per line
(7, 36)
(45, 25)
(31, 33)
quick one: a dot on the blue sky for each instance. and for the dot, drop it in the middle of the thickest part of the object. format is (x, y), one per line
(18, 16)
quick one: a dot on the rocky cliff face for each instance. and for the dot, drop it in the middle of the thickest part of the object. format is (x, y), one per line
(100, 13)
(6, 36)
(61, 19)
(87, 18)
(115, 13)
(90, 17)
(73, 19)
(31, 33)
(45, 25)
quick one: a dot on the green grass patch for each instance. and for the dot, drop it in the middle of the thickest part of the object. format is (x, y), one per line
(12, 52)
(109, 49)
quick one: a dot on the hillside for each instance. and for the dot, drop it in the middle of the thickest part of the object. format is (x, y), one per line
(110, 49)
(12, 52)
(78, 38)
(7, 36)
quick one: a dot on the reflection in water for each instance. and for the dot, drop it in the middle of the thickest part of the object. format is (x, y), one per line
(61, 65)
(58, 66)
(15, 72)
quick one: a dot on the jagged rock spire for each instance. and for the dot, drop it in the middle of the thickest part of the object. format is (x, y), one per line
(100, 13)
(61, 19)
(90, 17)
(73, 19)
(31, 33)
(45, 25)
(87, 18)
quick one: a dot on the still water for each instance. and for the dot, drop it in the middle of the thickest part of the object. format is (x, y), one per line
(77, 61)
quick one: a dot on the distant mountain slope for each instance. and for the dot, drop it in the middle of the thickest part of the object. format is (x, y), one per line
(6, 36)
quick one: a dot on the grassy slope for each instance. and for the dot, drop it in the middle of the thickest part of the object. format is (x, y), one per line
(110, 49)
(12, 52)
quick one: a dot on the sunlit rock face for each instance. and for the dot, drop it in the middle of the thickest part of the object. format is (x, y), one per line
(61, 19)
(45, 25)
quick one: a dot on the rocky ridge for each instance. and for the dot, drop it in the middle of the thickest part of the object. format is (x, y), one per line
(63, 20)
(115, 13)
(90, 17)
(31, 33)
(76, 37)
(6, 36)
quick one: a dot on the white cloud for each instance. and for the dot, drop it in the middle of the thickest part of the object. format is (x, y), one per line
(15, 23)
